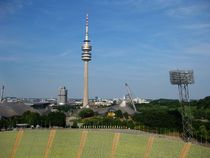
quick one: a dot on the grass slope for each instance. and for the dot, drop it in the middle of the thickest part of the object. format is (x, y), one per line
(7, 139)
(163, 147)
(199, 151)
(98, 145)
(131, 146)
(65, 144)
(33, 144)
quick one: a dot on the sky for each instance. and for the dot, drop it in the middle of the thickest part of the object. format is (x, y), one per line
(134, 41)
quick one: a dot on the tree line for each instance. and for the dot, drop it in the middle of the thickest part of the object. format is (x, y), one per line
(34, 119)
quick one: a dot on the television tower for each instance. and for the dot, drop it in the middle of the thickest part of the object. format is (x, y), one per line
(86, 57)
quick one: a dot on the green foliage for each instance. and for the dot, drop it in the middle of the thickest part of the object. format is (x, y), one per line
(203, 131)
(75, 125)
(85, 113)
(159, 118)
(165, 102)
(204, 103)
(30, 118)
(125, 114)
(4, 123)
(57, 119)
(201, 114)
(118, 114)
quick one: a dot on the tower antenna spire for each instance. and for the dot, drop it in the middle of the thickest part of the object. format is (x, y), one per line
(86, 28)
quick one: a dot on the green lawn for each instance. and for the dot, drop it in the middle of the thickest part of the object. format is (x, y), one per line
(7, 139)
(168, 148)
(98, 145)
(65, 144)
(33, 144)
(199, 151)
(131, 146)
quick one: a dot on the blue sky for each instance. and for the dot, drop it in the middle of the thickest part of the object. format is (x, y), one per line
(134, 41)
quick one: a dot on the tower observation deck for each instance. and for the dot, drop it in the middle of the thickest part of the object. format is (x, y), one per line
(86, 57)
(86, 47)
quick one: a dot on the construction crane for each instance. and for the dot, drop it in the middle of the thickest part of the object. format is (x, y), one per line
(130, 96)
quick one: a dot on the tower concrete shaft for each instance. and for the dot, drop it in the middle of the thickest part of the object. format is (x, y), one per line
(86, 57)
(86, 96)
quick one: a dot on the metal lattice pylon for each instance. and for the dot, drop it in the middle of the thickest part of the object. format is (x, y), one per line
(185, 112)
(183, 78)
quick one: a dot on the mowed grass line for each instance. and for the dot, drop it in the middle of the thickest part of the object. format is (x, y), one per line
(66, 144)
(49, 143)
(33, 144)
(185, 150)
(98, 145)
(149, 146)
(197, 151)
(83, 139)
(17, 143)
(7, 140)
(166, 148)
(131, 146)
(114, 144)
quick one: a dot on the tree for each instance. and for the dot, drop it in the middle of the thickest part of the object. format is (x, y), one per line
(74, 125)
(84, 113)
(118, 114)
(159, 118)
(32, 118)
(203, 133)
(204, 103)
(4, 123)
(57, 119)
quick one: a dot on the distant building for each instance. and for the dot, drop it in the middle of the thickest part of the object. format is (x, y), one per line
(140, 101)
(62, 96)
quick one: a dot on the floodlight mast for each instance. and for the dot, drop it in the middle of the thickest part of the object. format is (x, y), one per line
(183, 78)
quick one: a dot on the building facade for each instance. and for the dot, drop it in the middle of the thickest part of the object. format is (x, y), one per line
(62, 96)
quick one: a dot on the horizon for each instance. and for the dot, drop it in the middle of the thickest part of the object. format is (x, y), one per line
(135, 42)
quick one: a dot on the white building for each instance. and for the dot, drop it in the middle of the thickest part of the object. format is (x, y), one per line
(62, 96)
(140, 101)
